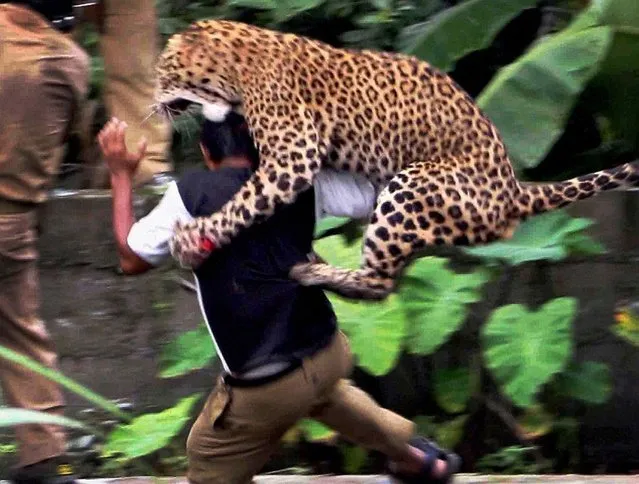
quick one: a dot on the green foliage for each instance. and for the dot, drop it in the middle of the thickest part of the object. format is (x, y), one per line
(551, 236)
(10, 417)
(191, 350)
(381, 24)
(327, 224)
(553, 74)
(614, 91)
(627, 327)
(535, 422)
(460, 30)
(512, 460)
(429, 307)
(315, 431)
(435, 301)
(149, 432)
(453, 389)
(449, 434)
(524, 349)
(588, 381)
(628, 333)
(376, 329)
(354, 458)
(280, 10)
(588, 62)
(63, 381)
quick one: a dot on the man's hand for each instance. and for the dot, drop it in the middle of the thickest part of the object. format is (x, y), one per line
(113, 145)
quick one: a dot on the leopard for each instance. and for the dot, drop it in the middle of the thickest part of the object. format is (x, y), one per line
(440, 167)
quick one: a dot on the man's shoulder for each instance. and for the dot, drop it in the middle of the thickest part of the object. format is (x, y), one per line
(205, 191)
(202, 178)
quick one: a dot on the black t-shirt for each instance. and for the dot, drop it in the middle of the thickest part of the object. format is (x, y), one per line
(255, 311)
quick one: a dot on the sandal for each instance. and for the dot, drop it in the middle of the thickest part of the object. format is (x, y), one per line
(432, 453)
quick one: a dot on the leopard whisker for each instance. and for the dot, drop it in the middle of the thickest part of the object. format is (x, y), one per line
(155, 108)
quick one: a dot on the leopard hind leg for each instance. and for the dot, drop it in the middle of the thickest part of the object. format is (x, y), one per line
(423, 206)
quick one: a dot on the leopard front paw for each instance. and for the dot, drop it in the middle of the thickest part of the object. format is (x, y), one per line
(190, 246)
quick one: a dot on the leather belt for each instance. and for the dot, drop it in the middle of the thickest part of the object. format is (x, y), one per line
(10, 207)
(263, 380)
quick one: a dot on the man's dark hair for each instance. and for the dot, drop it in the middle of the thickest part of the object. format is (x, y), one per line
(230, 137)
(58, 12)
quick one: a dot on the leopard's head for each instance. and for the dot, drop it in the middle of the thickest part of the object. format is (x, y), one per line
(196, 68)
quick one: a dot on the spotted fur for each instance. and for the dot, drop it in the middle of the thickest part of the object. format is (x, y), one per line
(442, 168)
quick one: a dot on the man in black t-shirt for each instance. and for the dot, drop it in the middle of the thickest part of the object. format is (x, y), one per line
(282, 354)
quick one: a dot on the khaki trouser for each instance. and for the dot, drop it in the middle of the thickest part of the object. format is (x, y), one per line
(23, 331)
(239, 428)
(130, 46)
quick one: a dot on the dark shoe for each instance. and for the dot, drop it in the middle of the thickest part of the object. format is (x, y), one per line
(432, 453)
(50, 471)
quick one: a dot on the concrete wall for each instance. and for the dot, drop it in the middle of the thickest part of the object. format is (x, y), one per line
(110, 328)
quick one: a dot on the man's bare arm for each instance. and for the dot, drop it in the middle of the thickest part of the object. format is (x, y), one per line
(123, 220)
(122, 165)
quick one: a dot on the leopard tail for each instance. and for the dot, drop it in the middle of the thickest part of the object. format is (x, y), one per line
(536, 198)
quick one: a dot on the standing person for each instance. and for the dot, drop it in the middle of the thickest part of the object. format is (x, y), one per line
(129, 44)
(283, 357)
(43, 83)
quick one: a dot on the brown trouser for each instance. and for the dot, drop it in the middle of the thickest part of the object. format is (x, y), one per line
(23, 331)
(130, 46)
(239, 428)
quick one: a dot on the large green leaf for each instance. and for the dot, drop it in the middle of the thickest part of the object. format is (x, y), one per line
(588, 381)
(290, 8)
(550, 236)
(64, 381)
(149, 432)
(531, 99)
(376, 329)
(190, 351)
(282, 9)
(452, 389)
(10, 417)
(615, 91)
(435, 301)
(523, 349)
(337, 252)
(460, 30)
(256, 4)
(329, 223)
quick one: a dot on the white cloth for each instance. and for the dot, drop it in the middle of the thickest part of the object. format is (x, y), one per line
(149, 237)
(343, 194)
(337, 193)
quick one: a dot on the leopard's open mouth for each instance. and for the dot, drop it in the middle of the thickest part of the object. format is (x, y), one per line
(177, 106)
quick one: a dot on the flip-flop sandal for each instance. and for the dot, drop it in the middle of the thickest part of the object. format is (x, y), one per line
(432, 453)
